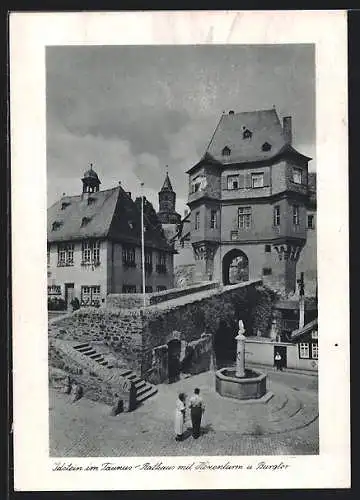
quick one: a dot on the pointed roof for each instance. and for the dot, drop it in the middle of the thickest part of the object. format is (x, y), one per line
(264, 137)
(167, 184)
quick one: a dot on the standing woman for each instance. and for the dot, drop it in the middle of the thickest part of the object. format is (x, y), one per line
(180, 417)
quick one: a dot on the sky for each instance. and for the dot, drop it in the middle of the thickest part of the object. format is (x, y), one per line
(137, 111)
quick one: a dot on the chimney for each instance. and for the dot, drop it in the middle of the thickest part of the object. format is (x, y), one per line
(287, 129)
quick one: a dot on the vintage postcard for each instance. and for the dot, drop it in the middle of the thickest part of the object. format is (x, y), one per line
(180, 243)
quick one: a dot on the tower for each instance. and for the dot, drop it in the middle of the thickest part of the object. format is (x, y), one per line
(167, 202)
(248, 196)
(91, 181)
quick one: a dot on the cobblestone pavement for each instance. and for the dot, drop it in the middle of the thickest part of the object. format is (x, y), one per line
(288, 424)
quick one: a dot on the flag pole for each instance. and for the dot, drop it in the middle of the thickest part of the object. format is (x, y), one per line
(143, 245)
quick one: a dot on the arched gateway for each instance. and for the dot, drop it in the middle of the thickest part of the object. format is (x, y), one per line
(235, 267)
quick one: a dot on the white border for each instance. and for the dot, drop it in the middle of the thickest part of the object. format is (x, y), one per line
(29, 34)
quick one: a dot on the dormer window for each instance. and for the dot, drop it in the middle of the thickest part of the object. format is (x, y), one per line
(226, 151)
(266, 146)
(64, 205)
(56, 225)
(247, 134)
(85, 221)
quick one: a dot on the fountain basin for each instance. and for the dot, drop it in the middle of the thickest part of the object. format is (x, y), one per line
(252, 386)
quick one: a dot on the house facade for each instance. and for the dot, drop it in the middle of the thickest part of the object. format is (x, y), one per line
(94, 245)
(249, 202)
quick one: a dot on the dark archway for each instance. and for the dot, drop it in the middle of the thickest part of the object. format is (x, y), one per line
(174, 366)
(235, 267)
(224, 345)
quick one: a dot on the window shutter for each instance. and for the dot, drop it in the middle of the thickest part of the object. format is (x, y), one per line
(223, 182)
(241, 181)
(267, 178)
(248, 180)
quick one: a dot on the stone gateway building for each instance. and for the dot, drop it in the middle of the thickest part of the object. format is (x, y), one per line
(249, 201)
(94, 245)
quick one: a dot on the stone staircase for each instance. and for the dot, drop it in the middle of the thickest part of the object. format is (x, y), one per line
(144, 390)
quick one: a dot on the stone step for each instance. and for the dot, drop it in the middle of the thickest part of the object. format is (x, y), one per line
(85, 350)
(96, 356)
(81, 346)
(146, 388)
(88, 353)
(146, 395)
(125, 372)
(139, 384)
(103, 362)
(110, 366)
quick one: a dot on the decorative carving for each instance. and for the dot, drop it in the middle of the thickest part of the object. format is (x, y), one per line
(288, 252)
(204, 251)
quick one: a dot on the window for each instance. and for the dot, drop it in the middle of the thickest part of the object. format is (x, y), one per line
(244, 217)
(128, 256)
(213, 221)
(234, 235)
(85, 221)
(314, 334)
(247, 134)
(129, 289)
(54, 290)
(65, 254)
(277, 215)
(160, 288)
(310, 222)
(90, 295)
(161, 263)
(266, 146)
(148, 289)
(195, 184)
(304, 350)
(296, 215)
(148, 261)
(267, 271)
(257, 180)
(91, 200)
(233, 182)
(297, 175)
(56, 225)
(314, 351)
(226, 151)
(197, 221)
(268, 248)
(90, 253)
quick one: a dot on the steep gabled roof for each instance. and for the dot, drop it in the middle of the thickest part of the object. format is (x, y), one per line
(167, 184)
(265, 137)
(104, 214)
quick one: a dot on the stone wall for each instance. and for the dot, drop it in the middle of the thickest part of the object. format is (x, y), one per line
(120, 329)
(134, 334)
(98, 382)
(136, 300)
(197, 316)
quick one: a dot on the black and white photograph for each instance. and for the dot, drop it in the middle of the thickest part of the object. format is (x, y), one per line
(181, 250)
(183, 273)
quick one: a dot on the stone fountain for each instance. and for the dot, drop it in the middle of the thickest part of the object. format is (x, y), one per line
(242, 383)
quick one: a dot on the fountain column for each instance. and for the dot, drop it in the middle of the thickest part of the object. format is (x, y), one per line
(240, 351)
